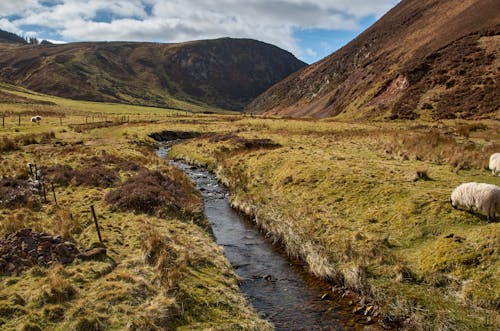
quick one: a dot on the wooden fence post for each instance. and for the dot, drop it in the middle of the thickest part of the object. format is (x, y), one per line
(44, 192)
(3, 120)
(54, 193)
(96, 224)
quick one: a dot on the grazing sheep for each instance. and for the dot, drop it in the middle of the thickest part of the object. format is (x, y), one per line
(495, 164)
(36, 119)
(480, 196)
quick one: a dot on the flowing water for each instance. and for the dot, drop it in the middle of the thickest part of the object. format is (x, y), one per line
(276, 286)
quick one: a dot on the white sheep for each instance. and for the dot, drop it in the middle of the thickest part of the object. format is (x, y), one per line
(495, 164)
(36, 119)
(480, 196)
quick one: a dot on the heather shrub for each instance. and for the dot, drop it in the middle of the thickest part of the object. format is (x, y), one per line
(58, 174)
(8, 145)
(153, 193)
(96, 175)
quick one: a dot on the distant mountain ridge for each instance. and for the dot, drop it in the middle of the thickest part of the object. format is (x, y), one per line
(224, 73)
(428, 59)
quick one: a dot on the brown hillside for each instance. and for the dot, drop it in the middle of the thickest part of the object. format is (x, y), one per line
(425, 58)
(225, 73)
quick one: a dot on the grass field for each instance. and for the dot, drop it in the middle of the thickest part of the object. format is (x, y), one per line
(367, 206)
(163, 269)
(364, 204)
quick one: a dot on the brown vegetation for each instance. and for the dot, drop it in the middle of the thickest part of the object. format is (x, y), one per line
(154, 193)
(95, 125)
(440, 147)
(244, 143)
(11, 144)
(118, 162)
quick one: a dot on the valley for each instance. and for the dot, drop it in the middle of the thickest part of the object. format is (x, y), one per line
(224, 184)
(370, 215)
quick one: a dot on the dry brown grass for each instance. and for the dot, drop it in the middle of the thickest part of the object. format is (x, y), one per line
(165, 255)
(58, 174)
(9, 144)
(438, 147)
(65, 224)
(58, 289)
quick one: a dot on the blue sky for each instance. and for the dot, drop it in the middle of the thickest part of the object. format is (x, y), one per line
(310, 29)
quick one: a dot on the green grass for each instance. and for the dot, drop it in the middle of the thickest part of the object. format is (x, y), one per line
(198, 290)
(347, 199)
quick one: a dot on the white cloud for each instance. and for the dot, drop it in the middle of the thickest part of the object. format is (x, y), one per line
(310, 52)
(6, 25)
(272, 21)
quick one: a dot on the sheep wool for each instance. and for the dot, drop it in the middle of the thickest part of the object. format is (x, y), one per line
(495, 164)
(482, 197)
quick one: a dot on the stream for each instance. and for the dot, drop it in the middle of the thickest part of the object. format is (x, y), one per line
(279, 288)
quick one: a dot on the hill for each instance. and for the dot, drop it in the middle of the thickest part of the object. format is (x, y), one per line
(9, 37)
(225, 73)
(429, 59)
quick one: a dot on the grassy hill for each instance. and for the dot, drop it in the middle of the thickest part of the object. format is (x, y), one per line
(223, 73)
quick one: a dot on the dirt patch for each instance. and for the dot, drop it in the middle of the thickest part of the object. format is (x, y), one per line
(24, 249)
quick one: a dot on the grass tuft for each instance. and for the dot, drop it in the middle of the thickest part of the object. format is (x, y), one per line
(58, 289)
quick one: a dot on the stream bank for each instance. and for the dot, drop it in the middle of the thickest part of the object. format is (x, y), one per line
(279, 288)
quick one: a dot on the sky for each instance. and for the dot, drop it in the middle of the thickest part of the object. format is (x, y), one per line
(310, 29)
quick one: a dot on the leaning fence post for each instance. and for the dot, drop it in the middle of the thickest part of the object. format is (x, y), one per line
(53, 192)
(96, 224)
